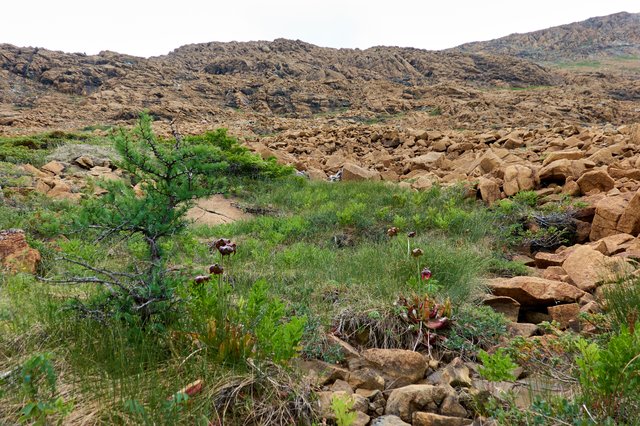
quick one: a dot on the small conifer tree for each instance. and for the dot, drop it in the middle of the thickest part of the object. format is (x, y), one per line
(170, 175)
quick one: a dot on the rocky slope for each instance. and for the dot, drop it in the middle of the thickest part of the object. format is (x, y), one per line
(260, 87)
(413, 117)
(604, 36)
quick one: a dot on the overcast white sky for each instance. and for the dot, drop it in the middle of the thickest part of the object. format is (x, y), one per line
(149, 28)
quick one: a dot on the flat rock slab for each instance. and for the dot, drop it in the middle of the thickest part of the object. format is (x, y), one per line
(216, 210)
(534, 291)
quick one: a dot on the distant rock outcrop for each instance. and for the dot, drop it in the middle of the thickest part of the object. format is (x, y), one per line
(257, 88)
(604, 36)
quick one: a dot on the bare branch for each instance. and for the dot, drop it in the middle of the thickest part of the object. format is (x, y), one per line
(80, 280)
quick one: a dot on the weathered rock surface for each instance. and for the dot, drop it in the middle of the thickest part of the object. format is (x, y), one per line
(216, 210)
(389, 420)
(588, 267)
(404, 401)
(432, 419)
(505, 305)
(15, 253)
(593, 38)
(534, 291)
(399, 367)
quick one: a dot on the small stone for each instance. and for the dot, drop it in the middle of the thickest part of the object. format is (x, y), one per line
(54, 167)
(341, 386)
(451, 407)
(85, 162)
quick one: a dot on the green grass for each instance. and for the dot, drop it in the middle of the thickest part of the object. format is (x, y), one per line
(580, 64)
(322, 248)
(623, 302)
(34, 149)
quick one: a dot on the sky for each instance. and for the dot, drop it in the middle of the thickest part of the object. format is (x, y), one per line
(151, 28)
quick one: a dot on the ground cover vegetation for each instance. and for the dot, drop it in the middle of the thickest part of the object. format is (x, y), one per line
(138, 317)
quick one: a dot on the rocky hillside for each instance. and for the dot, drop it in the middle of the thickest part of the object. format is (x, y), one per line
(258, 88)
(604, 36)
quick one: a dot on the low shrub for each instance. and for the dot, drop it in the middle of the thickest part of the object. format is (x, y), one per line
(496, 367)
(608, 374)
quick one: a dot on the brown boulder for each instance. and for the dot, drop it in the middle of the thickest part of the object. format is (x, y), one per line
(399, 367)
(429, 161)
(15, 253)
(534, 291)
(425, 181)
(613, 244)
(558, 170)
(571, 188)
(518, 178)
(321, 373)
(489, 190)
(389, 420)
(522, 329)
(490, 163)
(455, 374)
(404, 401)
(54, 167)
(352, 172)
(85, 162)
(561, 170)
(564, 314)
(608, 212)
(33, 171)
(588, 267)
(562, 155)
(545, 260)
(629, 221)
(452, 407)
(595, 181)
(366, 378)
(555, 273)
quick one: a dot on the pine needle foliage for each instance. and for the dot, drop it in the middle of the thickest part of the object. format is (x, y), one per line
(169, 175)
